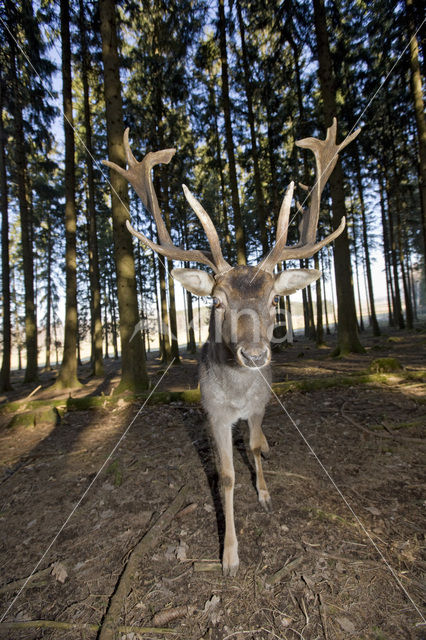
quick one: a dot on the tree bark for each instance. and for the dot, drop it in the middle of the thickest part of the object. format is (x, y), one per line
(95, 291)
(174, 347)
(106, 321)
(417, 94)
(134, 374)
(389, 289)
(356, 260)
(31, 372)
(48, 342)
(324, 293)
(226, 105)
(112, 308)
(348, 340)
(399, 318)
(166, 355)
(67, 376)
(373, 316)
(5, 384)
(320, 324)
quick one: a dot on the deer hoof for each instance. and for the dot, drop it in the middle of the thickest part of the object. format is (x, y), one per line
(265, 500)
(230, 563)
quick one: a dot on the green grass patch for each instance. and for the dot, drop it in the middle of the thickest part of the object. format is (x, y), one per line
(114, 470)
(330, 517)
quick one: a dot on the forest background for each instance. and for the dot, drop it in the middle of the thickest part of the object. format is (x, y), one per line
(231, 86)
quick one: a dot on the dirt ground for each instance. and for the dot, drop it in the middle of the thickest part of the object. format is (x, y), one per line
(339, 557)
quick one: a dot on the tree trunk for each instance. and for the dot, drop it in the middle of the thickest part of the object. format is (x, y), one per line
(157, 306)
(373, 317)
(17, 319)
(348, 340)
(134, 374)
(67, 377)
(389, 290)
(305, 314)
(166, 355)
(404, 274)
(417, 94)
(111, 303)
(288, 320)
(49, 294)
(324, 293)
(397, 309)
(95, 292)
(356, 260)
(199, 321)
(106, 321)
(320, 324)
(5, 384)
(226, 105)
(332, 287)
(174, 351)
(260, 202)
(191, 346)
(31, 372)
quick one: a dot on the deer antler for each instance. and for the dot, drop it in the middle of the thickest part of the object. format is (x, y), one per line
(326, 155)
(138, 174)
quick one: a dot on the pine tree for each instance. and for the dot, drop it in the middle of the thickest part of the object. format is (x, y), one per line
(348, 340)
(5, 384)
(67, 377)
(134, 374)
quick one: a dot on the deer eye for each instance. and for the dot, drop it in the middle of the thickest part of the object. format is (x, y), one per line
(276, 300)
(217, 303)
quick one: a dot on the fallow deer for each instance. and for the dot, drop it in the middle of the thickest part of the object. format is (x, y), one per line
(243, 311)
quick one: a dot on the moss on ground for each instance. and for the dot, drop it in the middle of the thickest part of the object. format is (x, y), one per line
(385, 365)
(28, 413)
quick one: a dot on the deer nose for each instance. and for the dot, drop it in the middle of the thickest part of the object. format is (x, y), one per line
(254, 356)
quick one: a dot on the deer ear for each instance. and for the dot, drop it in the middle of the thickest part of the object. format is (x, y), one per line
(291, 280)
(198, 282)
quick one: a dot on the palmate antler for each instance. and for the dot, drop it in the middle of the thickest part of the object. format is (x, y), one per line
(326, 155)
(138, 174)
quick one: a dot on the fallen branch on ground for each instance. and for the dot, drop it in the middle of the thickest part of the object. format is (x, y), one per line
(380, 434)
(36, 580)
(284, 571)
(66, 626)
(150, 539)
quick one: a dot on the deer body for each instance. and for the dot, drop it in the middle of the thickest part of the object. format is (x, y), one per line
(229, 393)
(235, 365)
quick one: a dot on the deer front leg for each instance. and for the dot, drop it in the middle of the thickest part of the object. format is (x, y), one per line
(223, 439)
(259, 445)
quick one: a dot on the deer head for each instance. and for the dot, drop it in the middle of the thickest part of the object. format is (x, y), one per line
(244, 297)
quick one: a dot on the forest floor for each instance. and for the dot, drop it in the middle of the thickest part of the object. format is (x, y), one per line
(339, 557)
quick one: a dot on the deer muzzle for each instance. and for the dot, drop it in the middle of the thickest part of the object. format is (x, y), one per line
(254, 356)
